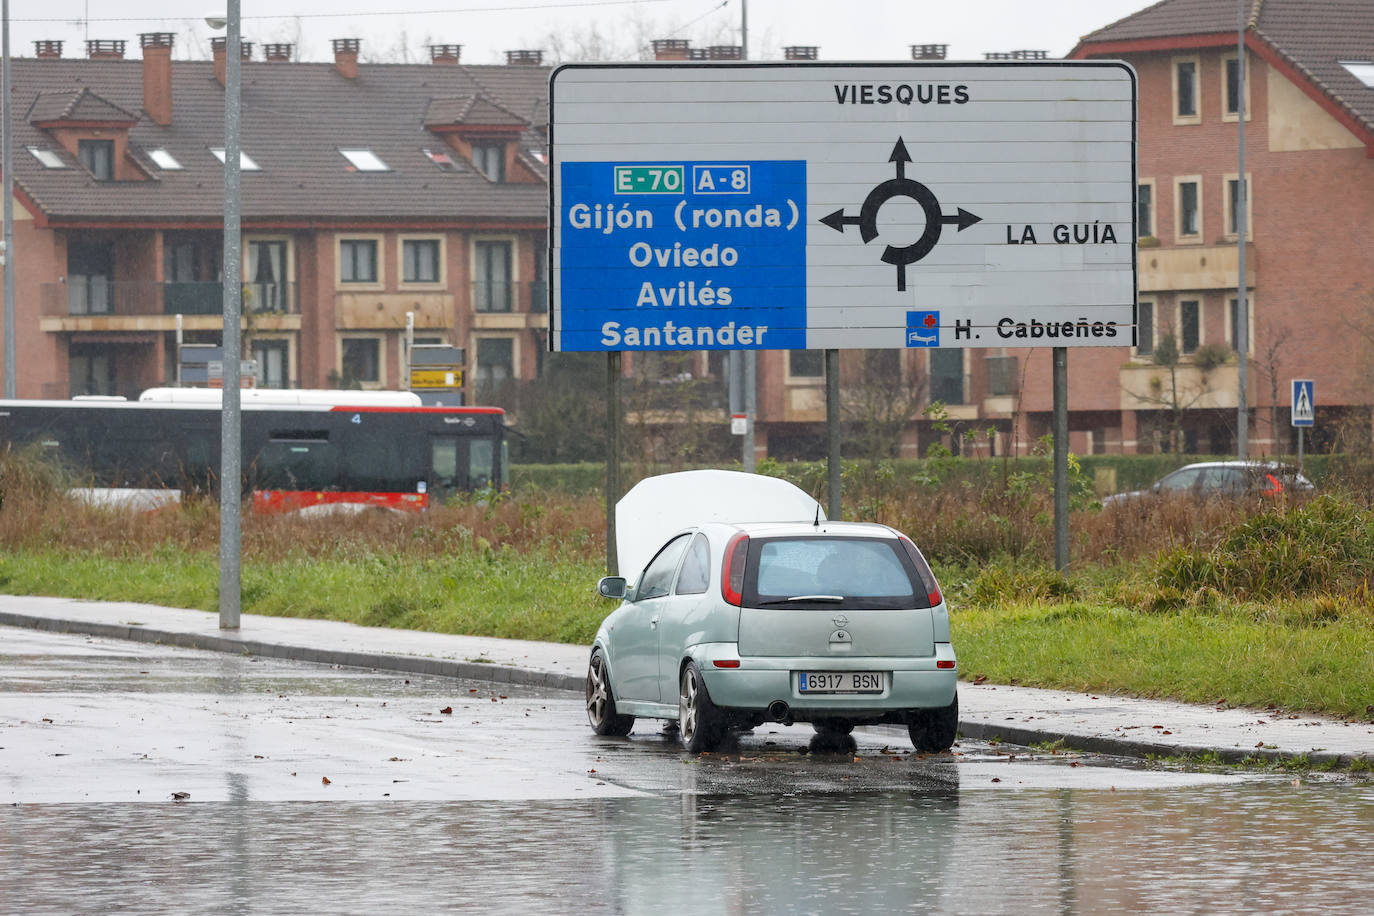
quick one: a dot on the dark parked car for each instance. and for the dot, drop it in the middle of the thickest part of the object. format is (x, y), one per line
(1223, 480)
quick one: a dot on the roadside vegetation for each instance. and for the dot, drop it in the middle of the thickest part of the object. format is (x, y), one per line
(1228, 603)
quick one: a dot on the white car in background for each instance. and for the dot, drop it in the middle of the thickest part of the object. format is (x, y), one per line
(743, 604)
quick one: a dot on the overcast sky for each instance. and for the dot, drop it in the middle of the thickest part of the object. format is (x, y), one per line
(842, 29)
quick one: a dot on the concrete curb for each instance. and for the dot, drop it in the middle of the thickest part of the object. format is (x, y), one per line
(406, 664)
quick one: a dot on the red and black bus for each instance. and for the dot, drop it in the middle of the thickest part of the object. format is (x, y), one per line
(300, 449)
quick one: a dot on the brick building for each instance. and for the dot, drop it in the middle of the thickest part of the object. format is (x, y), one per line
(368, 191)
(1309, 141)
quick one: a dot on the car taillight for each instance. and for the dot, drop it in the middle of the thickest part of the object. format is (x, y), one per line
(732, 574)
(923, 568)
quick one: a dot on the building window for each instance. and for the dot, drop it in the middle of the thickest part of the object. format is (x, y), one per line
(1235, 188)
(491, 288)
(91, 370)
(1145, 329)
(947, 376)
(1145, 209)
(98, 157)
(266, 290)
(495, 365)
(1189, 324)
(1230, 90)
(1186, 110)
(420, 260)
(271, 357)
(1233, 326)
(358, 260)
(805, 364)
(360, 360)
(490, 160)
(1189, 215)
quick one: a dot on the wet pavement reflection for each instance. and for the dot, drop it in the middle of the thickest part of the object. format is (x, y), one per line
(327, 790)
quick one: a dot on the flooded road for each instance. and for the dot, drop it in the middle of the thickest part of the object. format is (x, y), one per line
(313, 789)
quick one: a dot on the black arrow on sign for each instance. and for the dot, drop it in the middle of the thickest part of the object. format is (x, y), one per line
(901, 157)
(838, 220)
(963, 219)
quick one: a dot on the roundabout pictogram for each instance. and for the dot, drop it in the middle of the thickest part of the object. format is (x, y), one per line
(901, 186)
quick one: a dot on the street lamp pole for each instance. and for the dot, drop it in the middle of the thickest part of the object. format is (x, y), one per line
(231, 434)
(7, 163)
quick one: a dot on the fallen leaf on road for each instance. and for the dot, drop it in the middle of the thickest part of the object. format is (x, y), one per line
(446, 711)
(324, 780)
(980, 679)
(180, 796)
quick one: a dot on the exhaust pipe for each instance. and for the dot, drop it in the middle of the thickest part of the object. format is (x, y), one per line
(778, 711)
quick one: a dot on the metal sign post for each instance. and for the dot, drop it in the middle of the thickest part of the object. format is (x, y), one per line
(1303, 413)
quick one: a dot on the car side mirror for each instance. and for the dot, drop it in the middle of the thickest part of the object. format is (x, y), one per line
(612, 587)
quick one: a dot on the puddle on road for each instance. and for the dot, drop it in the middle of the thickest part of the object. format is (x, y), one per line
(1255, 847)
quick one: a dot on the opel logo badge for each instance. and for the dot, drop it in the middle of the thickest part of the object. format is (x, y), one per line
(841, 621)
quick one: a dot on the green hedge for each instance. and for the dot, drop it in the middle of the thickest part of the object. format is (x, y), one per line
(1110, 473)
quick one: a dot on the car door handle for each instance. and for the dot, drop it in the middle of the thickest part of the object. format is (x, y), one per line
(653, 623)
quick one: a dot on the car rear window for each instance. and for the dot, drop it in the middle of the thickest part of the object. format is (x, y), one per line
(830, 572)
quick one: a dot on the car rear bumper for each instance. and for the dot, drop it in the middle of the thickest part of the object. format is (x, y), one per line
(908, 682)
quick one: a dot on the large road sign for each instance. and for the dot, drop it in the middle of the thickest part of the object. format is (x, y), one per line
(788, 206)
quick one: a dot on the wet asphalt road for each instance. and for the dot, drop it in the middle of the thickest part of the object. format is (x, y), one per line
(315, 789)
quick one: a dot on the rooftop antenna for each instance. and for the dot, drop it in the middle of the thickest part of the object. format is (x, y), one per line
(817, 522)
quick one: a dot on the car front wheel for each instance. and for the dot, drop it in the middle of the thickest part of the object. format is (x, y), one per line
(601, 700)
(933, 730)
(700, 724)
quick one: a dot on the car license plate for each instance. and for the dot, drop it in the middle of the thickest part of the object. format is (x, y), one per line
(840, 681)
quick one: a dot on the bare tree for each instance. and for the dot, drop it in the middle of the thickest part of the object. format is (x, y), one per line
(1269, 363)
(1180, 394)
(878, 401)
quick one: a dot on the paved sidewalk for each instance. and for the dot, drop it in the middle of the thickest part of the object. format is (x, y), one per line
(1017, 715)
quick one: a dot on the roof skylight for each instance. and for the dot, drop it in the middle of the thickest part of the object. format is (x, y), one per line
(246, 163)
(441, 158)
(364, 160)
(164, 160)
(49, 159)
(1362, 70)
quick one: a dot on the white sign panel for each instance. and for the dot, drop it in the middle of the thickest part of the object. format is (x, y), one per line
(814, 206)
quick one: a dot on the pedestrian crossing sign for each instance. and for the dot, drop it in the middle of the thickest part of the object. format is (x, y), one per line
(1304, 402)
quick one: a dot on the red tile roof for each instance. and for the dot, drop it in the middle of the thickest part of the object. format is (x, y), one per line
(295, 117)
(1312, 37)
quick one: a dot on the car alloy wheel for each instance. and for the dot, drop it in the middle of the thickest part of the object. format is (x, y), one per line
(601, 711)
(699, 722)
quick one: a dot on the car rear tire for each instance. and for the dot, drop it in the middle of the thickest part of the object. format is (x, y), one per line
(700, 724)
(601, 711)
(933, 730)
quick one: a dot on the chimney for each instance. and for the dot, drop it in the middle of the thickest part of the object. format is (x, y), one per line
(346, 57)
(47, 49)
(524, 58)
(725, 52)
(105, 50)
(800, 52)
(278, 51)
(219, 47)
(928, 52)
(1016, 55)
(157, 75)
(445, 55)
(672, 49)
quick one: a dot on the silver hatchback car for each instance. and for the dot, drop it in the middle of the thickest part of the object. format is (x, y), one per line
(734, 623)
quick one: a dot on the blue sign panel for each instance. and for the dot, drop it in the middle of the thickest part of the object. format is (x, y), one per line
(682, 255)
(1304, 402)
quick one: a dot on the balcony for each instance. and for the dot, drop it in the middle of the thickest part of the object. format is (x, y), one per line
(97, 296)
(506, 304)
(1194, 267)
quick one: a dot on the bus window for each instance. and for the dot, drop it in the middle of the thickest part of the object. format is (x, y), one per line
(298, 463)
(443, 468)
(480, 458)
